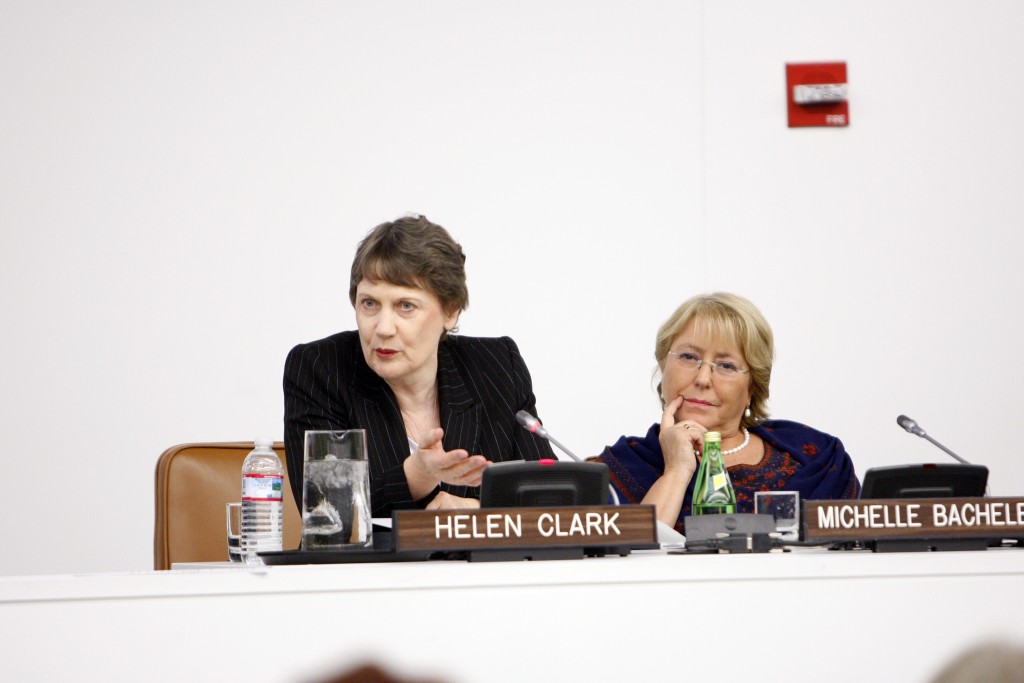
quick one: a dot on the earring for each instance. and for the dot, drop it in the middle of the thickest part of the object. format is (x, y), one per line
(747, 413)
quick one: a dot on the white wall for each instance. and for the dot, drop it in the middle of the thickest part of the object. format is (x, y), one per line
(182, 185)
(887, 254)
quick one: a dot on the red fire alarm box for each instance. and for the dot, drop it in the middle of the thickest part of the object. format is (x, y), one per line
(817, 94)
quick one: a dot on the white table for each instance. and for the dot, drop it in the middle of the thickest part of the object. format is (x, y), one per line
(809, 615)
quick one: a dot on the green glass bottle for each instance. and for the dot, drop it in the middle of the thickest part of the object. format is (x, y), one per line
(713, 494)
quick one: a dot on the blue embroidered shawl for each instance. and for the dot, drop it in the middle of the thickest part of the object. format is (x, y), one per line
(797, 458)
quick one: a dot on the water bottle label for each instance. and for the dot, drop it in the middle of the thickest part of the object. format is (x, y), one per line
(718, 481)
(260, 487)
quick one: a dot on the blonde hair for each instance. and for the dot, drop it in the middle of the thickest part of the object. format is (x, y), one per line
(726, 317)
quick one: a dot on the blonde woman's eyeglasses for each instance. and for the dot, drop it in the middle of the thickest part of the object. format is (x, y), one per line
(691, 361)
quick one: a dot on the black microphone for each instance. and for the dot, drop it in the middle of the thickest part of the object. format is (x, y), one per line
(915, 429)
(909, 425)
(533, 425)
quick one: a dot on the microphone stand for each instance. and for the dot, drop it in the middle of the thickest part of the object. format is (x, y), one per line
(912, 427)
(561, 447)
(533, 425)
(945, 449)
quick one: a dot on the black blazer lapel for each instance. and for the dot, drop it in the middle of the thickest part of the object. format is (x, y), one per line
(460, 413)
(375, 404)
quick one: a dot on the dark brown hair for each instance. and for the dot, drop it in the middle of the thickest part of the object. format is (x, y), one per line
(413, 252)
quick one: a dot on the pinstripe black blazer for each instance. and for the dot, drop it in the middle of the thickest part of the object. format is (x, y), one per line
(481, 384)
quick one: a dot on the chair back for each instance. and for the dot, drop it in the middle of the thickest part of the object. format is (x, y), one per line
(193, 483)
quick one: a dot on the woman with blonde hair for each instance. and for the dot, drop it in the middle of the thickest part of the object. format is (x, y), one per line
(715, 360)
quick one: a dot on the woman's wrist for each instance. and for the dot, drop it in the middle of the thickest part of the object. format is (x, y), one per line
(421, 483)
(679, 474)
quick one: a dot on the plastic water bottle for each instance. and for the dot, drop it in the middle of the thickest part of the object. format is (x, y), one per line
(262, 501)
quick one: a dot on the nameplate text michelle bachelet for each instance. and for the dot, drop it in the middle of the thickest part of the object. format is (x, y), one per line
(524, 527)
(913, 518)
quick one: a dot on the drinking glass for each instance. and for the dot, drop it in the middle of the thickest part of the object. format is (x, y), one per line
(336, 491)
(784, 507)
(234, 520)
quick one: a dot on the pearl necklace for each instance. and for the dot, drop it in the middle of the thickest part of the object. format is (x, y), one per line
(746, 440)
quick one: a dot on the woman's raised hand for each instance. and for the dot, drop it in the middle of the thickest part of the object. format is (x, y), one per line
(680, 440)
(431, 464)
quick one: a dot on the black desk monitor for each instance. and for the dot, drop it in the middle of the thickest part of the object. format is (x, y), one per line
(946, 480)
(544, 483)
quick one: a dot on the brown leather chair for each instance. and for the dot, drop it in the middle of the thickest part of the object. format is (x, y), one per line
(193, 482)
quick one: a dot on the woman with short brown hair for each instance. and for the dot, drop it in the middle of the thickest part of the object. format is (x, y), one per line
(437, 407)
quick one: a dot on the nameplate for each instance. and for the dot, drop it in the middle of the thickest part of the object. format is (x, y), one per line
(908, 518)
(532, 527)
